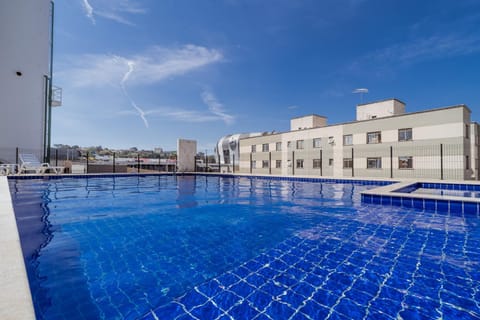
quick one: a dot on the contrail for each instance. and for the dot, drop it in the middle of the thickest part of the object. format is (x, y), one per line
(89, 10)
(141, 113)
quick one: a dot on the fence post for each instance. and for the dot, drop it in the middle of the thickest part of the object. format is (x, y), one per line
(321, 163)
(353, 172)
(138, 163)
(391, 162)
(56, 157)
(270, 162)
(293, 163)
(88, 156)
(176, 164)
(206, 161)
(441, 161)
(114, 164)
(16, 155)
(250, 163)
(233, 166)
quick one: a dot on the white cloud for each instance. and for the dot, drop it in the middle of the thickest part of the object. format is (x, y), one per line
(176, 114)
(216, 107)
(293, 107)
(115, 10)
(438, 46)
(157, 64)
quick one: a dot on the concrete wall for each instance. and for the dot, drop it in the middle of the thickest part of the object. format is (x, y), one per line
(25, 34)
(431, 130)
(186, 151)
(380, 109)
(307, 122)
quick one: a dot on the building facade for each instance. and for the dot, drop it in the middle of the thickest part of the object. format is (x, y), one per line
(25, 77)
(383, 142)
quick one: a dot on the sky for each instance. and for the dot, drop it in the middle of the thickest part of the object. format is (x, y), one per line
(145, 73)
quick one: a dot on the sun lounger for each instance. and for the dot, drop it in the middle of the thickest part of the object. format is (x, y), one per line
(31, 164)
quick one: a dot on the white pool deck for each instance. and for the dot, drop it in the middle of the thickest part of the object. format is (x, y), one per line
(15, 298)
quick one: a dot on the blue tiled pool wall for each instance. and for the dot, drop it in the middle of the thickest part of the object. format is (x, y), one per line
(386, 265)
(442, 186)
(433, 205)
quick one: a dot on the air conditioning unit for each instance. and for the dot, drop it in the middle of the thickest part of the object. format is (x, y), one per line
(331, 140)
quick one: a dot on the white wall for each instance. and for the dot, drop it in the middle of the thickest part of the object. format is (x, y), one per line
(186, 151)
(380, 109)
(25, 48)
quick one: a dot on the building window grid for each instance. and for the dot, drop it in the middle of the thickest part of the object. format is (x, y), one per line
(299, 144)
(265, 147)
(317, 142)
(299, 164)
(317, 164)
(264, 164)
(254, 148)
(330, 162)
(278, 164)
(405, 134)
(278, 146)
(467, 162)
(347, 163)
(374, 137)
(254, 164)
(405, 162)
(467, 131)
(374, 163)
(348, 140)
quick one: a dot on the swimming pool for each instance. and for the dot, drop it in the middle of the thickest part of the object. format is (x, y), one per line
(206, 247)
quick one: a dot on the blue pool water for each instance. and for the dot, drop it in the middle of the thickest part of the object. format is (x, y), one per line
(196, 247)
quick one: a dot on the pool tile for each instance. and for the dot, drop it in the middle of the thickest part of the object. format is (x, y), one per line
(242, 311)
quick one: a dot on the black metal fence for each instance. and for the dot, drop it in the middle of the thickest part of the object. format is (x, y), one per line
(430, 161)
(74, 161)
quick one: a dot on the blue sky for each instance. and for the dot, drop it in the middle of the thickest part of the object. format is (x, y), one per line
(144, 73)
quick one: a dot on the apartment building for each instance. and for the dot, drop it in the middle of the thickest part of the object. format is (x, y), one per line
(384, 141)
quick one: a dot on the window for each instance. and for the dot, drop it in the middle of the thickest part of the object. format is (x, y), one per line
(299, 144)
(299, 163)
(467, 164)
(317, 142)
(317, 164)
(374, 163)
(405, 134)
(278, 146)
(265, 147)
(278, 163)
(330, 162)
(405, 162)
(264, 163)
(289, 144)
(467, 131)
(347, 163)
(254, 164)
(254, 148)
(347, 140)
(374, 137)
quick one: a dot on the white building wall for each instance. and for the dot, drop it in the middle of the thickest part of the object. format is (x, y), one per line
(432, 131)
(25, 57)
(186, 151)
(380, 109)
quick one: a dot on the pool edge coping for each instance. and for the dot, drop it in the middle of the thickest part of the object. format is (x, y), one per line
(15, 297)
